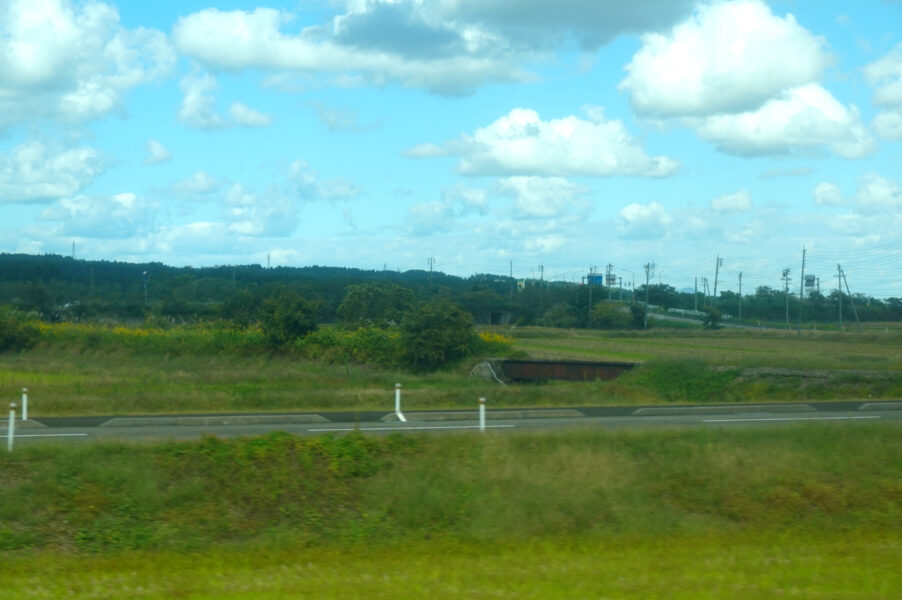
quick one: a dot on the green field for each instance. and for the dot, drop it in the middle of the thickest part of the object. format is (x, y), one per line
(133, 372)
(806, 511)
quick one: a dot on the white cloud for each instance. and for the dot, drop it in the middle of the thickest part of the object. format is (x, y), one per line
(644, 221)
(466, 200)
(885, 75)
(521, 143)
(304, 182)
(198, 107)
(544, 197)
(156, 153)
(238, 40)
(590, 22)
(259, 215)
(244, 116)
(804, 119)
(725, 73)
(72, 61)
(200, 182)
(888, 124)
(877, 194)
(100, 217)
(426, 150)
(427, 218)
(447, 47)
(38, 172)
(736, 202)
(828, 194)
(729, 57)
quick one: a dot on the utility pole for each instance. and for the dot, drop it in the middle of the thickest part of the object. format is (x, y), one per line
(591, 282)
(716, 273)
(512, 278)
(609, 270)
(620, 297)
(839, 289)
(740, 295)
(786, 279)
(851, 300)
(430, 261)
(801, 291)
(542, 292)
(649, 272)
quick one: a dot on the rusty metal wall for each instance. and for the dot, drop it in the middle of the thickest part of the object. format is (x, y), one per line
(526, 370)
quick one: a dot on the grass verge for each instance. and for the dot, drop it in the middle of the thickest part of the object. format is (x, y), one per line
(808, 511)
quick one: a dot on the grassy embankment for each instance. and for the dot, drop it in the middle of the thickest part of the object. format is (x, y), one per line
(811, 512)
(122, 371)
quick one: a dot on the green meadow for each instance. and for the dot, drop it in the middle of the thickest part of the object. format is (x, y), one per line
(802, 511)
(95, 370)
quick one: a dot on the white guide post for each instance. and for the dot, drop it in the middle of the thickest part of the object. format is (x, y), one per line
(482, 414)
(11, 428)
(24, 404)
(398, 412)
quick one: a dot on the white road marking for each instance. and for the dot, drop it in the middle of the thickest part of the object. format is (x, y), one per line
(31, 435)
(410, 428)
(790, 419)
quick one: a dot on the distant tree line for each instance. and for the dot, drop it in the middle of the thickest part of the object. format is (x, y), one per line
(61, 288)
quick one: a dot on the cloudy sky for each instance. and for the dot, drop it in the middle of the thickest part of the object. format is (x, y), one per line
(488, 134)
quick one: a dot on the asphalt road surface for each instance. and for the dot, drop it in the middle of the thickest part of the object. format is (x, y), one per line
(185, 427)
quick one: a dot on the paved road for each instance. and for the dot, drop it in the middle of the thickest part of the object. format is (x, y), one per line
(182, 427)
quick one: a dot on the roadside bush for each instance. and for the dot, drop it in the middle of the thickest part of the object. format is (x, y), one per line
(436, 333)
(286, 318)
(561, 315)
(16, 332)
(712, 318)
(611, 315)
(365, 345)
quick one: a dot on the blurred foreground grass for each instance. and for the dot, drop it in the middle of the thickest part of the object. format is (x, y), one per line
(809, 511)
(750, 566)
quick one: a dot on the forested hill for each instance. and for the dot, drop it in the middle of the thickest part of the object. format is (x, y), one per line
(58, 287)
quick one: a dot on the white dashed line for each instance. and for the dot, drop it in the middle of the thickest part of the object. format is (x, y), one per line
(411, 428)
(790, 419)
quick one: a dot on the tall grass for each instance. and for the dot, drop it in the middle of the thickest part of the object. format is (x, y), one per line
(356, 489)
(749, 566)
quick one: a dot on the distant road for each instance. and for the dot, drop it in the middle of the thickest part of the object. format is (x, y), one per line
(186, 427)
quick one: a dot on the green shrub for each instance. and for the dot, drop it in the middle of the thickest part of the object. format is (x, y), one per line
(436, 333)
(374, 304)
(16, 332)
(365, 345)
(611, 315)
(286, 318)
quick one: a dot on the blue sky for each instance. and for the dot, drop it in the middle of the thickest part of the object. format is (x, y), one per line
(488, 134)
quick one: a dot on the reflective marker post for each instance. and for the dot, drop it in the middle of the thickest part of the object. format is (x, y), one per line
(24, 404)
(398, 412)
(11, 428)
(482, 414)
